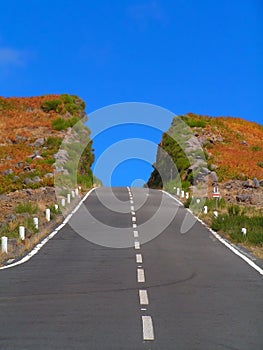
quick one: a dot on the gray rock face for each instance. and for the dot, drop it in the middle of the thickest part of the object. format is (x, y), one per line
(205, 171)
(61, 156)
(256, 183)
(261, 182)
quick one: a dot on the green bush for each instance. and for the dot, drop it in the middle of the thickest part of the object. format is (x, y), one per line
(60, 123)
(51, 105)
(26, 207)
(256, 148)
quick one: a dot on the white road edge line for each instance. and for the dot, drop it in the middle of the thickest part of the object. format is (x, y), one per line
(171, 196)
(143, 295)
(223, 241)
(147, 328)
(50, 236)
(140, 276)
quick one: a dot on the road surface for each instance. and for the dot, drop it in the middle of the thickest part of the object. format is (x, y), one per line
(175, 291)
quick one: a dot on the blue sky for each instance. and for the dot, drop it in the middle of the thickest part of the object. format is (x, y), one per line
(186, 56)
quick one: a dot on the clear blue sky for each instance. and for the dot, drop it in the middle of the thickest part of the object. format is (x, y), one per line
(202, 56)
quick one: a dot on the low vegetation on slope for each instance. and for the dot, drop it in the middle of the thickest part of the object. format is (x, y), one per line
(31, 133)
(221, 152)
(39, 137)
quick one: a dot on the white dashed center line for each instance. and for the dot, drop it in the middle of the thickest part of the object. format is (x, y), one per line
(140, 275)
(139, 258)
(147, 328)
(143, 295)
(147, 322)
(137, 245)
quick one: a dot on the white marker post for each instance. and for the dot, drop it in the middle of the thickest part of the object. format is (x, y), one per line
(178, 192)
(205, 209)
(35, 221)
(68, 198)
(48, 214)
(77, 191)
(182, 194)
(216, 214)
(4, 244)
(73, 194)
(244, 231)
(63, 202)
(22, 232)
(56, 207)
(187, 195)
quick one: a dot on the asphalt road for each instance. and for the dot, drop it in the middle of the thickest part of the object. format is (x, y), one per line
(126, 281)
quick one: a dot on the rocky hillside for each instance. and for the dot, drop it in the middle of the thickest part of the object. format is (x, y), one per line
(36, 147)
(220, 151)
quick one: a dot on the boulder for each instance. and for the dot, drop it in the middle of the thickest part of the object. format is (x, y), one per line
(11, 217)
(244, 143)
(7, 172)
(38, 142)
(36, 179)
(28, 181)
(19, 165)
(214, 177)
(243, 198)
(213, 167)
(48, 175)
(248, 184)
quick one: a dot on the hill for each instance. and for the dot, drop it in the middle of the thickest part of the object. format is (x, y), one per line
(199, 153)
(36, 149)
(232, 147)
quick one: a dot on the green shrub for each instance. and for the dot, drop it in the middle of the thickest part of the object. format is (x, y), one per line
(60, 123)
(51, 105)
(256, 148)
(260, 164)
(26, 207)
